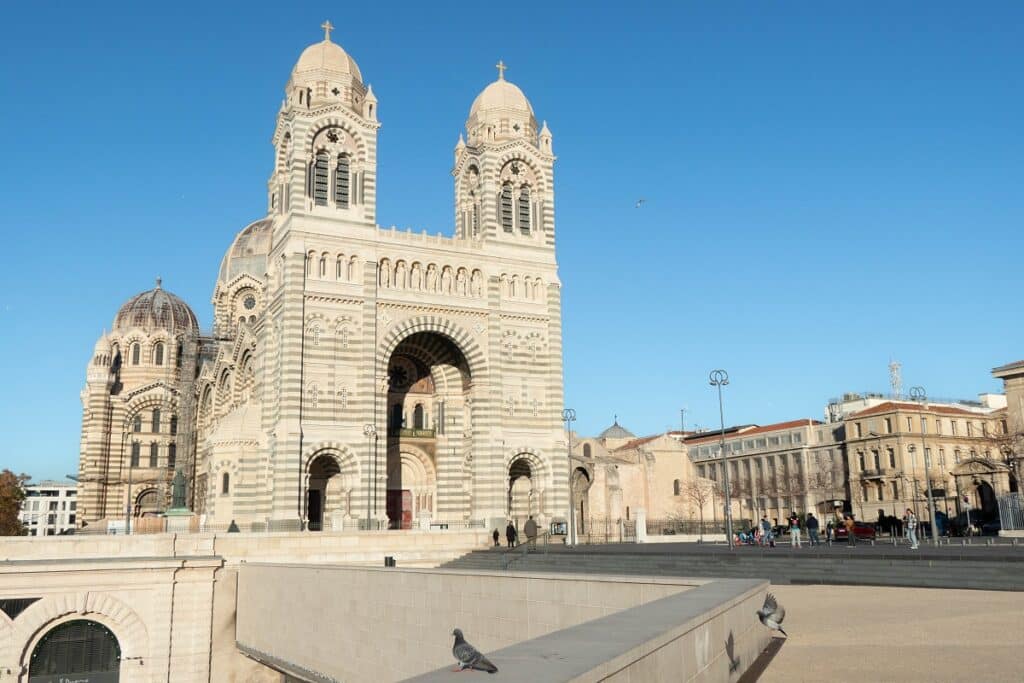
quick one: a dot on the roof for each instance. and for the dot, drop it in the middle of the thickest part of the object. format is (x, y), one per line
(156, 309)
(616, 431)
(753, 429)
(1009, 367)
(636, 443)
(891, 406)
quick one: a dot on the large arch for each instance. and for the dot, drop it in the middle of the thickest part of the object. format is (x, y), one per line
(428, 404)
(76, 649)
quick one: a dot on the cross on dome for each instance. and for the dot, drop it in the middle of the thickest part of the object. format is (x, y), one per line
(501, 69)
(159, 281)
(327, 26)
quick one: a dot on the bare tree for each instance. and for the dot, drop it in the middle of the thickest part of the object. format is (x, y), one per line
(699, 492)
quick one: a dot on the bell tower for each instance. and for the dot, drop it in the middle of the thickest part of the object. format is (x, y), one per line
(503, 171)
(326, 139)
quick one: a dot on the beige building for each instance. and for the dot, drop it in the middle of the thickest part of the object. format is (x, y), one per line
(50, 508)
(894, 446)
(355, 375)
(1012, 375)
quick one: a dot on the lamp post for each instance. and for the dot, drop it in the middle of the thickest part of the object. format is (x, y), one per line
(918, 394)
(370, 431)
(569, 415)
(720, 378)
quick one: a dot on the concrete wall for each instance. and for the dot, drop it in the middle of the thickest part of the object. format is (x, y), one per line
(349, 623)
(709, 633)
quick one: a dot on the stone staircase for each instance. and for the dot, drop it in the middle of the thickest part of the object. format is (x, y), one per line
(976, 568)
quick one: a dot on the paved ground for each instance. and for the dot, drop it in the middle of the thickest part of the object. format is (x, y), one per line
(846, 633)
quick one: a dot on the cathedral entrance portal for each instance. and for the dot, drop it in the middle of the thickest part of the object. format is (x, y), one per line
(329, 492)
(429, 427)
(522, 499)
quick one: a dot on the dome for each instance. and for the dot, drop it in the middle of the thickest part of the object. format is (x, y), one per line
(324, 59)
(616, 431)
(248, 253)
(503, 96)
(155, 310)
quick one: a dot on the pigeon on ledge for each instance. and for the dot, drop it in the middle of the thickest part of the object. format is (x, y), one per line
(469, 657)
(772, 614)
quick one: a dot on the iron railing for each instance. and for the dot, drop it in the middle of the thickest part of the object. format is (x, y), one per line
(1011, 512)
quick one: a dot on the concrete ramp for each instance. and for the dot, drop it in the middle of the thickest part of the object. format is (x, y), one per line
(332, 623)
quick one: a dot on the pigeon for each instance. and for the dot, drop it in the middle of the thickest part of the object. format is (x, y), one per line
(469, 657)
(772, 614)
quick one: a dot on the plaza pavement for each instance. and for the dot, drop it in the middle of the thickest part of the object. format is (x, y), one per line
(866, 633)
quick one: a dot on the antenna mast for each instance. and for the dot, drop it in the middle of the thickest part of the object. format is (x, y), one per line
(895, 379)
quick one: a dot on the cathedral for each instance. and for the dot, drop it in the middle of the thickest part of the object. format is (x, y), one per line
(355, 377)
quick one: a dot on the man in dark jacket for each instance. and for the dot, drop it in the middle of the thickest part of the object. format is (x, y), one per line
(812, 528)
(531, 531)
(510, 535)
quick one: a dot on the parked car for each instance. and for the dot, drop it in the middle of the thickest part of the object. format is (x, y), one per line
(862, 530)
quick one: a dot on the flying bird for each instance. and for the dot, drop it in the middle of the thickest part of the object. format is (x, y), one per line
(469, 657)
(772, 614)
(640, 202)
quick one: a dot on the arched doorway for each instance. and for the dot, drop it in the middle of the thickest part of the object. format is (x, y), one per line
(76, 650)
(329, 490)
(987, 500)
(429, 399)
(581, 498)
(147, 503)
(522, 501)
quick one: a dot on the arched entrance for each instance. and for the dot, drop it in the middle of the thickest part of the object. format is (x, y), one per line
(148, 503)
(522, 498)
(581, 498)
(329, 492)
(76, 650)
(987, 499)
(429, 431)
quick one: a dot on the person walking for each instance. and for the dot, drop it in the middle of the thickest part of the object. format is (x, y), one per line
(851, 536)
(510, 535)
(794, 530)
(497, 538)
(912, 529)
(812, 529)
(766, 531)
(531, 531)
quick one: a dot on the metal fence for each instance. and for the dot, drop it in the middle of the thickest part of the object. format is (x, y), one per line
(1011, 512)
(158, 524)
(670, 527)
(598, 530)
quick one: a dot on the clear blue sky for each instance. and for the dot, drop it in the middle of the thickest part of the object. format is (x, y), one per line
(827, 186)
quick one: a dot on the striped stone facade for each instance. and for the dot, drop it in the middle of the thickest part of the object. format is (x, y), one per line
(361, 376)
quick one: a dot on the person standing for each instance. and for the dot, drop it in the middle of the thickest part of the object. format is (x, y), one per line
(496, 537)
(812, 529)
(851, 536)
(912, 529)
(531, 531)
(794, 530)
(766, 531)
(510, 535)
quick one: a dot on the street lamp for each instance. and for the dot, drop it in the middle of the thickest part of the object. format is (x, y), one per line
(720, 378)
(918, 394)
(370, 430)
(569, 415)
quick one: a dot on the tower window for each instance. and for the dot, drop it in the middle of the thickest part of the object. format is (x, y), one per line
(506, 208)
(136, 354)
(136, 449)
(475, 218)
(156, 421)
(174, 424)
(341, 182)
(158, 354)
(225, 483)
(154, 450)
(524, 210)
(178, 355)
(137, 424)
(172, 455)
(320, 179)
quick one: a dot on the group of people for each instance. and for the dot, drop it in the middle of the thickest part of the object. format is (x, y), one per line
(512, 534)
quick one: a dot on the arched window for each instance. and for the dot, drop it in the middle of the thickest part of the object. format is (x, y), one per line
(225, 483)
(675, 488)
(156, 421)
(586, 450)
(137, 424)
(417, 416)
(323, 265)
(136, 451)
(158, 354)
(172, 455)
(76, 650)
(524, 210)
(154, 451)
(136, 353)
(341, 182)
(506, 207)
(174, 424)
(320, 179)
(178, 355)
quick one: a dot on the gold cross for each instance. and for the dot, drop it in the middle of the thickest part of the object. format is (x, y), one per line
(501, 70)
(327, 27)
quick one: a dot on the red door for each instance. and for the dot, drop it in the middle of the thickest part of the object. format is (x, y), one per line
(400, 509)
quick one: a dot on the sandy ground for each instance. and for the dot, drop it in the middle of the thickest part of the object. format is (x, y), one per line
(841, 633)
